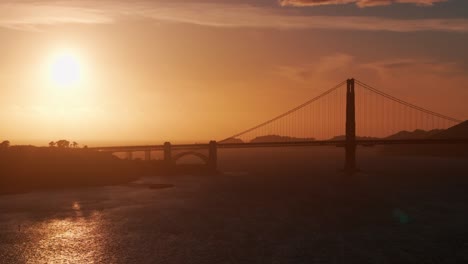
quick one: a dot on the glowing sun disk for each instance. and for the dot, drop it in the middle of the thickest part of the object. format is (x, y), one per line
(65, 70)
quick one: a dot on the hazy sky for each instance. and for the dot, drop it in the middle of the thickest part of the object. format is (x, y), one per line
(196, 70)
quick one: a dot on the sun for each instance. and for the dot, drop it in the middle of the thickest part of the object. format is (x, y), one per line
(65, 69)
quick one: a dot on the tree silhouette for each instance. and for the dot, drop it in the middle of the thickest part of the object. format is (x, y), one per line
(63, 143)
(75, 144)
(52, 144)
(5, 144)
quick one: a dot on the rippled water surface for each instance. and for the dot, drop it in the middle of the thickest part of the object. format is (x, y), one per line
(275, 209)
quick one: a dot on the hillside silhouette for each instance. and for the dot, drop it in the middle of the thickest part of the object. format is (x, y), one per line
(25, 168)
(416, 134)
(459, 131)
(232, 141)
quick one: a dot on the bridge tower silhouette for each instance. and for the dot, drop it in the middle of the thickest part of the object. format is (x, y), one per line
(350, 165)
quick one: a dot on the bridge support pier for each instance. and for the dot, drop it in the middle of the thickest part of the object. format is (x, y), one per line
(148, 155)
(350, 165)
(168, 153)
(213, 155)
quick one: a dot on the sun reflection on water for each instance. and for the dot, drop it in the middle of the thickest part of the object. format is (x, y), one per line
(76, 206)
(70, 240)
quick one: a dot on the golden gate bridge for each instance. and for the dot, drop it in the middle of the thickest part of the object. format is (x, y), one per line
(360, 115)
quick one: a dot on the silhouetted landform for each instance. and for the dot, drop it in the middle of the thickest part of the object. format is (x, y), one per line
(27, 168)
(276, 138)
(455, 132)
(232, 141)
(416, 134)
(459, 131)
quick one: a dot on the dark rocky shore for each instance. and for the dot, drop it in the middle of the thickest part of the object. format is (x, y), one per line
(28, 168)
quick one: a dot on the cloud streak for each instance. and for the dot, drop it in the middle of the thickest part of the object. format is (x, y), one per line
(360, 3)
(28, 15)
(340, 64)
(32, 15)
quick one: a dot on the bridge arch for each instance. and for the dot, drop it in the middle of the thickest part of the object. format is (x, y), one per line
(202, 157)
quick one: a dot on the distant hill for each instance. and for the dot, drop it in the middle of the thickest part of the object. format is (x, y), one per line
(276, 138)
(459, 131)
(416, 134)
(232, 141)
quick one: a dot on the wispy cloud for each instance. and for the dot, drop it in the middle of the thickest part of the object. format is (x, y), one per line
(341, 64)
(390, 68)
(360, 3)
(255, 17)
(323, 66)
(31, 15)
(28, 15)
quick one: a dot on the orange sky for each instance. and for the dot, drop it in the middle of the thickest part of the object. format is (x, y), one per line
(152, 72)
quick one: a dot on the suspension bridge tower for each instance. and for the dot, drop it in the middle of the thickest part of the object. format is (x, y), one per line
(350, 165)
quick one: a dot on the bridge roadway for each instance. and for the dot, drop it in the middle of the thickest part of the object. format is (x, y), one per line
(339, 143)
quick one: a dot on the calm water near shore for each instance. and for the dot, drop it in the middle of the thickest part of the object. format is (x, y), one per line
(280, 206)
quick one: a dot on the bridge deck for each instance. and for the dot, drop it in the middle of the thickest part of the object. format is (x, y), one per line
(284, 144)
